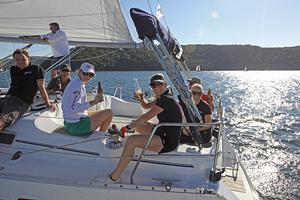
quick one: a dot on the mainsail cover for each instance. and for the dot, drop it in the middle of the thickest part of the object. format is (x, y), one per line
(86, 22)
(147, 25)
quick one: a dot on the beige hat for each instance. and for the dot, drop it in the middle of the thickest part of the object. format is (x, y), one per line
(197, 88)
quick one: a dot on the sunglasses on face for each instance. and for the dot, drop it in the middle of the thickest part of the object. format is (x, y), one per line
(88, 74)
(196, 93)
(154, 85)
(65, 70)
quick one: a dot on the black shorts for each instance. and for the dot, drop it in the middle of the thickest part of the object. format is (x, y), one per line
(170, 138)
(205, 137)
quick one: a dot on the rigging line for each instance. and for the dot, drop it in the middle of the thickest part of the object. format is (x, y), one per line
(88, 58)
(43, 58)
(102, 15)
(114, 19)
(9, 57)
(163, 15)
(37, 50)
(73, 53)
(130, 22)
(99, 56)
(150, 6)
(5, 49)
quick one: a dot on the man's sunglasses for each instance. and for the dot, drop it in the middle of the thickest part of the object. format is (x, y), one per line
(195, 93)
(88, 74)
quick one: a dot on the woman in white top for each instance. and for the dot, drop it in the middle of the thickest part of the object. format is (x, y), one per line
(77, 120)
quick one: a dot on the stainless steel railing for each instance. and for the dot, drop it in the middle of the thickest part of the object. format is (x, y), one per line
(174, 125)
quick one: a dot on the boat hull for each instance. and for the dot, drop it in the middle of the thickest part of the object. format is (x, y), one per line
(18, 189)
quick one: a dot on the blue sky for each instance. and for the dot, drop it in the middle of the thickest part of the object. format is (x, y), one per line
(267, 23)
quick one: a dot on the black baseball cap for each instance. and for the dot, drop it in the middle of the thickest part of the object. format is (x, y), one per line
(157, 78)
(194, 80)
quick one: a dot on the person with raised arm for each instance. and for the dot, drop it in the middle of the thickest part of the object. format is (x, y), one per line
(165, 139)
(58, 41)
(77, 119)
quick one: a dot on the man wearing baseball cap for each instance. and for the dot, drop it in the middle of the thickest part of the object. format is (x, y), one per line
(155, 79)
(60, 82)
(165, 139)
(77, 119)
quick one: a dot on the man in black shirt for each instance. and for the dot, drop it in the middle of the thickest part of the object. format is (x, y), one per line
(26, 79)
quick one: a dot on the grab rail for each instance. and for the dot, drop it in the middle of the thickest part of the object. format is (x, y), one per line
(174, 125)
(120, 93)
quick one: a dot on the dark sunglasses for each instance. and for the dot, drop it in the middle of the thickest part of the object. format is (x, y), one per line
(154, 85)
(65, 70)
(195, 93)
(88, 74)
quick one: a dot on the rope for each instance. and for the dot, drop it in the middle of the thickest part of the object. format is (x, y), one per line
(130, 22)
(163, 15)
(79, 59)
(150, 6)
(99, 56)
(73, 53)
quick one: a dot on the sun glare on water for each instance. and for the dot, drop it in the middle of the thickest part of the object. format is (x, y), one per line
(262, 122)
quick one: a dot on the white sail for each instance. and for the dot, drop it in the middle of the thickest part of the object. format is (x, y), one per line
(86, 22)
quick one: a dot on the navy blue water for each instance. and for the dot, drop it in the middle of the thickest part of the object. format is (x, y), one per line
(262, 111)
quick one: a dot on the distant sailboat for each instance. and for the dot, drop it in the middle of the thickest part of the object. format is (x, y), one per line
(198, 68)
(245, 68)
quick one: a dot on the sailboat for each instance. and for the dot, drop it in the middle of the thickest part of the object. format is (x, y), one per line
(198, 68)
(39, 160)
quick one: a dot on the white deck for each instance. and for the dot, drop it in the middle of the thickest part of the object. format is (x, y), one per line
(60, 167)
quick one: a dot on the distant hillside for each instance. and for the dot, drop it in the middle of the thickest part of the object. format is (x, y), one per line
(209, 57)
(235, 57)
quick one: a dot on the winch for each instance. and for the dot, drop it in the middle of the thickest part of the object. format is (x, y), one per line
(114, 140)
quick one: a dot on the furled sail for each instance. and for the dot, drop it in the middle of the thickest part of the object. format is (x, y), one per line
(97, 23)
